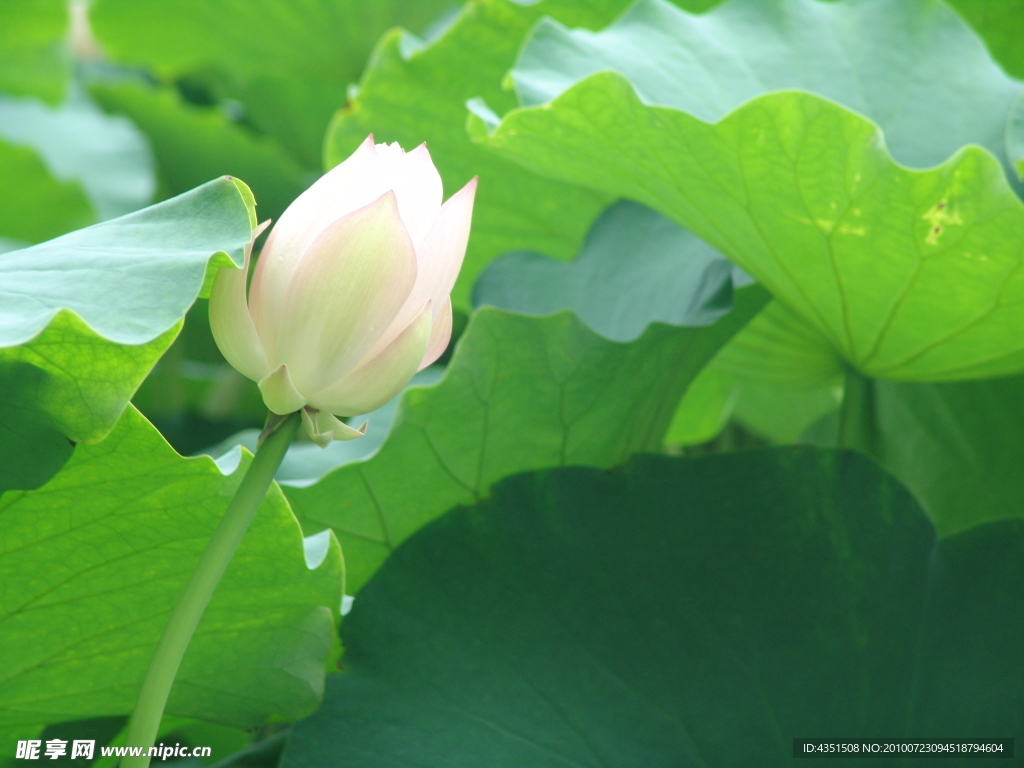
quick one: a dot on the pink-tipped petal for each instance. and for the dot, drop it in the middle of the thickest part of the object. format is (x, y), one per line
(279, 393)
(347, 187)
(345, 292)
(230, 321)
(323, 428)
(444, 248)
(438, 260)
(417, 184)
(380, 378)
(440, 335)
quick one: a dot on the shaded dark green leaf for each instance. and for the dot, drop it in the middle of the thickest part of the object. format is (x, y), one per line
(676, 612)
(31, 449)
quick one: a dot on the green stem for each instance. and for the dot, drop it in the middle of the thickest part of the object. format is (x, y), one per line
(163, 667)
(857, 417)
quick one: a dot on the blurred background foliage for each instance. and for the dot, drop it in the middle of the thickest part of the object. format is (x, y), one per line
(108, 105)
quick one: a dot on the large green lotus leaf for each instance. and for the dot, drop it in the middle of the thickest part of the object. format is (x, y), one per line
(193, 144)
(779, 348)
(772, 413)
(520, 393)
(1000, 24)
(704, 410)
(37, 205)
(411, 95)
(956, 445)
(33, 58)
(912, 66)
(289, 62)
(676, 612)
(93, 562)
(94, 309)
(108, 156)
(911, 275)
(781, 414)
(635, 268)
(85, 381)
(776, 377)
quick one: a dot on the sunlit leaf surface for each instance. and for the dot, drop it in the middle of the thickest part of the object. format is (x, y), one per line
(94, 561)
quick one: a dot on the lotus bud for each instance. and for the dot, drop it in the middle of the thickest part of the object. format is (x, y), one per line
(350, 296)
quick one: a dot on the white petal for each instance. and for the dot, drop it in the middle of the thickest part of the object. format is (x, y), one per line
(324, 428)
(438, 261)
(230, 321)
(279, 393)
(347, 187)
(440, 335)
(345, 292)
(380, 378)
(417, 184)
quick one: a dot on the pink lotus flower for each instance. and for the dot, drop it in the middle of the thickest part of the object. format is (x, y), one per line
(350, 296)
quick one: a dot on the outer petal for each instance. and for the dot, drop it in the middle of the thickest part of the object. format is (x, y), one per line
(417, 184)
(440, 335)
(441, 254)
(380, 378)
(347, 187)
(350, 285)
(279, 393)
(230, 321)
(323, 428)
(438, 261)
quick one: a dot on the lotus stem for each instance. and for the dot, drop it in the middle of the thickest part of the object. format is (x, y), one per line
(163, 667)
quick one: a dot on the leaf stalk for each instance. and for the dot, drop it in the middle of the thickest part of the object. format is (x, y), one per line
(857, 416)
